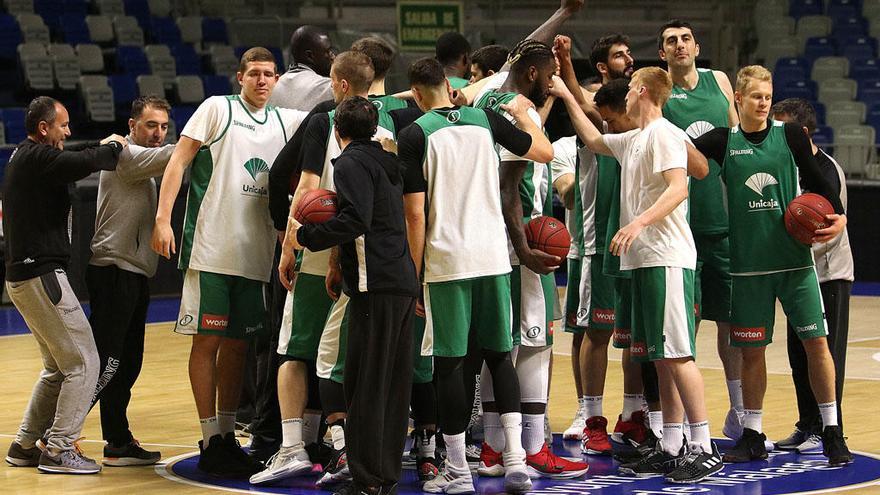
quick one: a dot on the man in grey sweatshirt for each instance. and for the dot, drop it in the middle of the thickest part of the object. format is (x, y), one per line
(117, 275)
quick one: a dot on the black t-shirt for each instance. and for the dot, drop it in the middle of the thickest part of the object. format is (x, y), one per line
(713, 144)
(411, 148)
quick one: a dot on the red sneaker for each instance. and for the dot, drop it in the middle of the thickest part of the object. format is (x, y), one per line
(546, 464)
(595, 440)
(632, 432)
(491, 462)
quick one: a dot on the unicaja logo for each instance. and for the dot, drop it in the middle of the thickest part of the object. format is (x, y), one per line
(757, 182)
(256, 166)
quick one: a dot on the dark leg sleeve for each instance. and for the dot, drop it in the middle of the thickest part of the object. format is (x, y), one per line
(504, 381)
(332, 396)
(424, 404)
(451, 396)
(649, 382)
(835, 295)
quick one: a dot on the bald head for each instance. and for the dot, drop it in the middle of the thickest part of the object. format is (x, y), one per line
(310, 45)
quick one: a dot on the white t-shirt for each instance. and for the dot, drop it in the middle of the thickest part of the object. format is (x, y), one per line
(227, 228)
(643, 155)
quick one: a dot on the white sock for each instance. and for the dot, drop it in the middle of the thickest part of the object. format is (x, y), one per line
(673, 438)
(592, 406)
(226, 422)
(582, 406)
(455, 455)
(735, 392)
(493, 433)
(512, 424)
(292, 432)
(655, 422)
(209, 429)
(700, 435)
(533, 433)
(428, 447)
(631, 404)
(337, 435)
(752, 419)
(828, 411)
(310, 426)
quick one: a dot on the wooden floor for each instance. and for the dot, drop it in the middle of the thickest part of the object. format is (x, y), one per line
(163, 415)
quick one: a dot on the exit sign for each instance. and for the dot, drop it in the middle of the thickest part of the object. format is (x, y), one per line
(420, 23)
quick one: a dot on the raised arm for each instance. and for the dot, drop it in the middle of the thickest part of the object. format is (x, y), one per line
(724, 83)
(163, 237)
(546, 31)
(586, 130)
(65, 166)
(137, 163)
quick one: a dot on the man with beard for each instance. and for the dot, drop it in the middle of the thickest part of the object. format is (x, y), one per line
(532, 66)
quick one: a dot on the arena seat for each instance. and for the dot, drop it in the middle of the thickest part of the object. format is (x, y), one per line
(844, 113)
(829, 68)
(91, 58)
(149, 84)
(834, 90)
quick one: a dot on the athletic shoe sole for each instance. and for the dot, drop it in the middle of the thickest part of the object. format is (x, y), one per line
(517, 482)
(452, 488)
(15, 461)
(698, 479)
(565, 475)
(64, 470)
(630, 472)
(334, 478)
(128, 461)
(495, 471)
(596, 452)
(280, 474)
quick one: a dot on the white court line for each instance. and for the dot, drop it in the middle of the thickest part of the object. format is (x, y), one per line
(164, 471)
(169, 445)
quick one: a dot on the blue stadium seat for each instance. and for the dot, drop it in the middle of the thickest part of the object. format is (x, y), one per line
(140, 10)
(10, 37)
(216, 85)
(821, 46)
(873, 120)
(132, 60)
(74, 29)
(188, 62)
(784, 75)
(181, 114)
(797, 89)
(50, 11)
(125, 90)
(859, 48)
(869, 92)
(13, 121)
(801, 62)
(800, 8)
(864, 69)
(165, 31)
(214, 30)
(843, 8)
(849, 26)
(820, 112)
(823, 137)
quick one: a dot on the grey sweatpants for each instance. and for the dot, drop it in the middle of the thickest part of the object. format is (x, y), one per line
(62, 395)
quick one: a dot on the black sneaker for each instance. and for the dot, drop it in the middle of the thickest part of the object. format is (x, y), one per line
(355, 489)
(658, 462)
(319, 453)
(628, 455)
(21, 457)
(834, 444)
(216, 460)
(697, 465)
(130, 454)
(749, 447)
(249, 464)
(336, 471)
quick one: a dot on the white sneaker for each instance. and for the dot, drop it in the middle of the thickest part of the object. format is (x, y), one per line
(812, 445)
(450, 480)
(286, 463)
(733, 428)
(576, 430)
(516, 476)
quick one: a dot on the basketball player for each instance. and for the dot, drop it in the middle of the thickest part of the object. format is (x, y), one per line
(453, 51)
(656, 244)
(591, 294)
(834, 266)
(761, 160)
(461, 237)
(227, 245)
(487, 60)
(532, 66)
(701, 100)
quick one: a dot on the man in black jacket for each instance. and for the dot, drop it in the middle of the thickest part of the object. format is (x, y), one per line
(36, 204)
(379, 276)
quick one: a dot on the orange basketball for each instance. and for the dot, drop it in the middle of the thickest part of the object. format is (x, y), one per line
(316, 206)
(805, 215)
(549, 235)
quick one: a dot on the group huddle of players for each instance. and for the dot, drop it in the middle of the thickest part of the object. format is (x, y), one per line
(674, 181)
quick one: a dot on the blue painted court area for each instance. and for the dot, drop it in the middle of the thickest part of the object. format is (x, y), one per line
(782, 473)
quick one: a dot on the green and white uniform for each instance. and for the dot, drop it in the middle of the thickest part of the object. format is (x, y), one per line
(228, 238)
(308, 310)
(622, 337)
(663, 257)
(766, 262)
(589, 302)
(534, 295)
(467, 265)
(696, 112)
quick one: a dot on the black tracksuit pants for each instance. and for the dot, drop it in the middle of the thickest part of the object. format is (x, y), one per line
(119, 301)
(378, 380)
(835, 295)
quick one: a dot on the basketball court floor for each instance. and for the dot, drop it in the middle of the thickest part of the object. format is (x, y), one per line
(163, 417)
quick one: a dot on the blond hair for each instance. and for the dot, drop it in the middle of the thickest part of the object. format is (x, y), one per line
(749, 72)
(657, 81)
